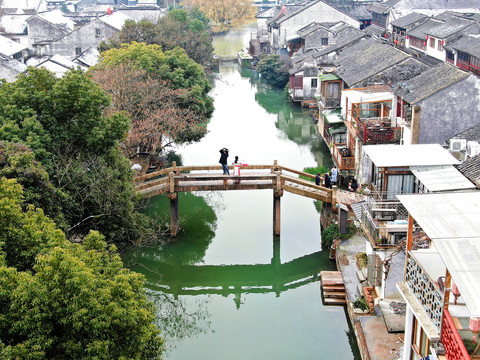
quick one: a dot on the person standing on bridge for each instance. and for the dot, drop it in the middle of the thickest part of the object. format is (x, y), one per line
(318, 180)
(326, 180)
(334, 177)
(223, 161)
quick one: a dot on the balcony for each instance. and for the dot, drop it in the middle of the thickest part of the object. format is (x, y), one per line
(378, 131)
(343, 158)
(423, 287)
(329, 103)
(458, 342)
(384, 222)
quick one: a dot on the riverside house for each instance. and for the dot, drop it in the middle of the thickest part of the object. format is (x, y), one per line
(442, 281)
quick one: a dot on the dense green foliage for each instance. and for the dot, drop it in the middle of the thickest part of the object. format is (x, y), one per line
(331, 233)
(313, 171)
(274, 70)
(60, 300)
(187, 30)
(74, 170)
(173, 66)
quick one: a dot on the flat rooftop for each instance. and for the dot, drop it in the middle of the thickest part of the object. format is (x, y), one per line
(409, 155)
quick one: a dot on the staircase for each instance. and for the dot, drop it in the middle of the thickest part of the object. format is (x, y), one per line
(334, 292)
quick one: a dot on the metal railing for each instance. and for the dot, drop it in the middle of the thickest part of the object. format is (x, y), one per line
(385, 222)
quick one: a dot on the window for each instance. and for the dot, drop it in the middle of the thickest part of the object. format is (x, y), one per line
(314, 84)
(450, 57)
(78, 51)
(97, 32)
(324, 41)
(17, 55)
(439, 45)
(432, 42)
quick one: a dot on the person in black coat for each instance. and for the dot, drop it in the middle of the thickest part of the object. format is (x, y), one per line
(353, 186)
(326, 179)
(318, 180)
(223, 161)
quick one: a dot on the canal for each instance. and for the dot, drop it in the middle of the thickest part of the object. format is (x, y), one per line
(226, 288)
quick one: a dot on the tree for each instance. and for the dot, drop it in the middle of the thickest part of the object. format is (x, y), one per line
(67, 301)
(62, 121)
(225, 14)
(58, 116)
(187, 30)
(274, 70)
(164, 93)
(158, 118)
(173, 66)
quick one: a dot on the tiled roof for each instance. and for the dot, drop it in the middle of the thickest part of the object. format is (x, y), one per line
(365, 59)
(429, 82)
(467, 44)
(409, 20)
(358, 11)
(422, 30)
(471, 169)
(344, 38)
(471, 134)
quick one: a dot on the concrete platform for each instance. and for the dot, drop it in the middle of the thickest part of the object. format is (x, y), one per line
(394, 315)
(381, 344)
(373, 337)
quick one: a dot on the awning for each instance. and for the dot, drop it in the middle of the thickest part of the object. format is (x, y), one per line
(332, 117)
(441, 178)
(328, 77)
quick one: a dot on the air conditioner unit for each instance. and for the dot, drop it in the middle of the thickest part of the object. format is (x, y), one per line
(458, 144)
(473, 148)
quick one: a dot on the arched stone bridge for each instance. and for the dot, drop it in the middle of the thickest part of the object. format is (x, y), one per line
(279, 178)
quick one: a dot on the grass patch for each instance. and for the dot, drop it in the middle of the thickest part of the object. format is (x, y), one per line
(313, 171)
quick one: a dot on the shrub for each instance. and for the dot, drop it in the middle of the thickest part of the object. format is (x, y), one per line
(331, 233)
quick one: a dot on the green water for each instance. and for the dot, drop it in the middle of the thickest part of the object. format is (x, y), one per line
(227, 289)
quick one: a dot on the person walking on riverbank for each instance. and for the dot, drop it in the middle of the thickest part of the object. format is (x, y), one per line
(223, 161)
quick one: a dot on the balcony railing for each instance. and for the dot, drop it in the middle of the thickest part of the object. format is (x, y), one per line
(425, 290)
(451, 339)
(329, 103)
(343, 158)
(385, 223)
(378, 131)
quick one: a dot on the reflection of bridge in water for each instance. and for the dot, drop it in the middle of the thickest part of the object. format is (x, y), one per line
(238, 279)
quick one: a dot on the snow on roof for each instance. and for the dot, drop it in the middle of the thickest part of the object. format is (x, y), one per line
(14, 24)
(116, 20)
(409, 155)
(21, 5)
(9, 47)
(441, 178)
(58, 18)
(88, 58)
(59, 65)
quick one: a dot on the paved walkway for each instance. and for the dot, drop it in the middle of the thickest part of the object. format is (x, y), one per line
(375, 342)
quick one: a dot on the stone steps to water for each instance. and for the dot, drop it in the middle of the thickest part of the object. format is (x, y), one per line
(334, 292)
(332, 301)
(334, 288)
(335, 295)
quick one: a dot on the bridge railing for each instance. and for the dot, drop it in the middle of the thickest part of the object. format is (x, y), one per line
(170, 177)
